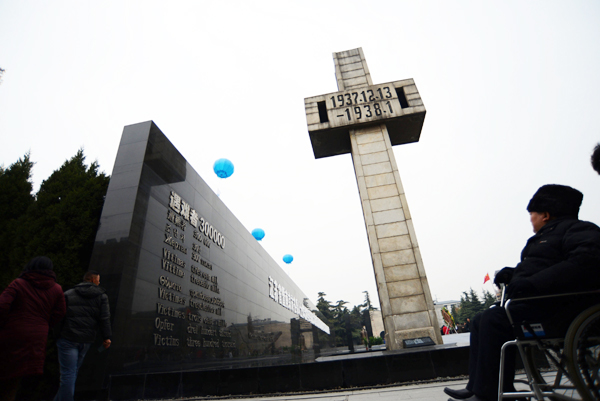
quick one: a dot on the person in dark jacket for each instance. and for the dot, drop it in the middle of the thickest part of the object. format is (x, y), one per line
(87, 311)
(563, 256)
(29, 306)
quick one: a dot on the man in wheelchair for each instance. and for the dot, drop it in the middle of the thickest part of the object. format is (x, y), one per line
(563, 256)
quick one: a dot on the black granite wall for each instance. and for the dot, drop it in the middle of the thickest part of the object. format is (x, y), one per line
(387, 369)
(189, 287)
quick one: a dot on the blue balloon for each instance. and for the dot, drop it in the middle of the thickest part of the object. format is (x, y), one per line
(288, 258)
(258, 233)
(223, 168)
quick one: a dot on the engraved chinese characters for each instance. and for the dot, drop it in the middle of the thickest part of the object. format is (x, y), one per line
(203, 327)
(181, 211)
(279, 294)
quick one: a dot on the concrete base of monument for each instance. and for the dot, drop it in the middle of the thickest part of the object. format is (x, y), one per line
(342, 369)
(404, 337)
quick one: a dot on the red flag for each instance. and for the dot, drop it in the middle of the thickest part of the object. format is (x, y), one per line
(486, 278)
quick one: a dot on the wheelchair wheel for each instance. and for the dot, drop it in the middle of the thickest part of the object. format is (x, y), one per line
(547, 376)
(582, 348)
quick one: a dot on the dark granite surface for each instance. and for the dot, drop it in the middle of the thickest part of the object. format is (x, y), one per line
(189, 287)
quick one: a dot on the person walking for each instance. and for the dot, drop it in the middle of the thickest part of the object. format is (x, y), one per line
(29, 307)
(468, 325)
(365, 337)
(87, 311)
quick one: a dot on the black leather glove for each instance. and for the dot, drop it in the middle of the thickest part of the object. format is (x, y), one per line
(504, 276)
(521, 289)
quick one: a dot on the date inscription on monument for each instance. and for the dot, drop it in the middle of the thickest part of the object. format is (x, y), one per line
(350, 107)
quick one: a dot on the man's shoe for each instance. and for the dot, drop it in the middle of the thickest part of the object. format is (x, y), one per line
(461, 394)
(471, 398)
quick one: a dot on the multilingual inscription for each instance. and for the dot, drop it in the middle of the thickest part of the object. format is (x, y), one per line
(171, 268)
(169, 240)
(197, 315)
(165, 282)
(165, 341)
(168, 311)
(171, 257)
(163, 324)
(211, 300)
(170, 296)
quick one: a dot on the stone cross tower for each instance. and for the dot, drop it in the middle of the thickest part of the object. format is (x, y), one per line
(367, 120)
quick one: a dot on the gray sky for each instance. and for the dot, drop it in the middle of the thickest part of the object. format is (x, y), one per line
(512, 92)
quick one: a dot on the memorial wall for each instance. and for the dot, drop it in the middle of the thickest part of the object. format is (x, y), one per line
(189, 287)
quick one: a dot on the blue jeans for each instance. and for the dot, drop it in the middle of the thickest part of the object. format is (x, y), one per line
(70, 357)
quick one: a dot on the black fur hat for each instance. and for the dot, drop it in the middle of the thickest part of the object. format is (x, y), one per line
(596, 159)
(558, 200)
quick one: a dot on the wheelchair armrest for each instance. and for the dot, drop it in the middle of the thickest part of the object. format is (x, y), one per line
(566, 294)
(578, 301)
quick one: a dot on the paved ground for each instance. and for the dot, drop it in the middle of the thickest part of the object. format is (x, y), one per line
(430, 391)
(425, 391)
(460, 339)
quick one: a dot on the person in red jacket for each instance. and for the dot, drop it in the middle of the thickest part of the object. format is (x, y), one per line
(29, 306)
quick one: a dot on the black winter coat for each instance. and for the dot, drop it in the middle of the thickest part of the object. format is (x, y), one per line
(563, 256)
(87, 310)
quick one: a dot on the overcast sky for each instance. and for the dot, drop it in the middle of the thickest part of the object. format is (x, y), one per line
(511, 88)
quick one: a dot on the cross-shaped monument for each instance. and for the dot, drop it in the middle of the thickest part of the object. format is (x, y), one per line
(367, 120)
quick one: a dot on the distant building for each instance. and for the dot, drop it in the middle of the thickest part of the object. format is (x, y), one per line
(376, 322)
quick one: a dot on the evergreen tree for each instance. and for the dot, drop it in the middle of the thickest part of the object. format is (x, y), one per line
(339, 322)
(367, 303)
(325, 313)
(15, 199)
(65, 217)
(60, 221)
(325, 307)
(470, 305)
(345, 324)
(488, 299)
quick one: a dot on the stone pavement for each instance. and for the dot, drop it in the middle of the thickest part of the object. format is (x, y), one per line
(460, 339)
(431, 391)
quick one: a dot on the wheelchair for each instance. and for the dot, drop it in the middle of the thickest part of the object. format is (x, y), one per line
(560, 349)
